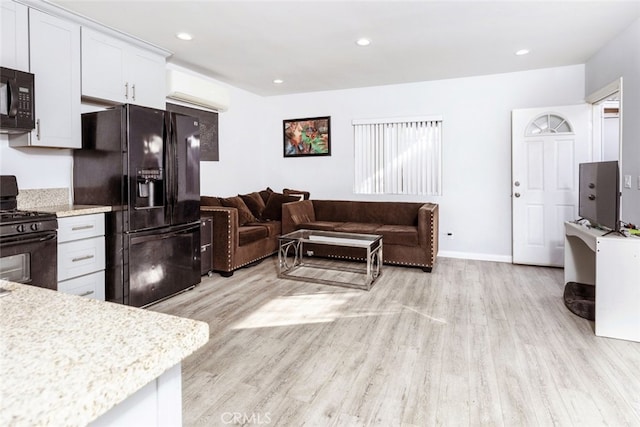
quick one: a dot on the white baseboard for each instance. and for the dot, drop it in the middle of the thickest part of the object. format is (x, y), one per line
(477, 257)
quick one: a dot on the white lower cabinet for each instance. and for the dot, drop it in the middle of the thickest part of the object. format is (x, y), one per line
(81, 255)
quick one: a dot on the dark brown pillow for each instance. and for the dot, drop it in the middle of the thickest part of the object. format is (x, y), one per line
(210, 201)
(254, 202)
(273, 209)
(301, 195)
(244, 214)
(265, 194)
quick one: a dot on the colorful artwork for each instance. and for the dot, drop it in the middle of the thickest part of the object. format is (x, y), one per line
(307, 137)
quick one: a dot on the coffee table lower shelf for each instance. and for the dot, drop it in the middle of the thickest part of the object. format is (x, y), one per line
(293, 265)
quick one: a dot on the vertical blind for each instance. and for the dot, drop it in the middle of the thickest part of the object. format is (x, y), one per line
(398, 156)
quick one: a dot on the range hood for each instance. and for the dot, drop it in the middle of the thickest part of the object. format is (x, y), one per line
(194, 90)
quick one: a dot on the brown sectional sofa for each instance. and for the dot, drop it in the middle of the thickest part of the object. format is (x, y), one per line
(246, 228)
(409, 230)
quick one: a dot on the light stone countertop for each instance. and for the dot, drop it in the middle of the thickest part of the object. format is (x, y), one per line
(72, 210)
(66, 360)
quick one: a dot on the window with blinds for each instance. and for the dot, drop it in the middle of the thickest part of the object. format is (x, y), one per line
(398, 156)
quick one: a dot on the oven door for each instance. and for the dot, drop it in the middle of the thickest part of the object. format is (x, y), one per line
(30, 259)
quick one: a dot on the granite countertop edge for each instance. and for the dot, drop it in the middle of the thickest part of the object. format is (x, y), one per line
(62, 211)
(67, 360)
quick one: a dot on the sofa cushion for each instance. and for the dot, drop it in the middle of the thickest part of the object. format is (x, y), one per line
(273, 209)
(358, 227)
(210, 201)
(254, 202)
(405, 235)
(251, 233)
(244, 214)
(274, 228)
(320, 225)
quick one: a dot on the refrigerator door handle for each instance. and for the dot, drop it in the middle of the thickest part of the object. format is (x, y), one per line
(169, 167)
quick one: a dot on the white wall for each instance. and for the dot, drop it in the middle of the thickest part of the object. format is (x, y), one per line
(621, 58)
(36, 167)
(476, 201)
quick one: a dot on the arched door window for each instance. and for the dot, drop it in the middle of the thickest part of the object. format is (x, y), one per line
(547, 124)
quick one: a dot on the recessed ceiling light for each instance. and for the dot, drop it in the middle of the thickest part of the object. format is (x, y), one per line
(278, 81)
(522, 52)
(184, 36)
(363, 42)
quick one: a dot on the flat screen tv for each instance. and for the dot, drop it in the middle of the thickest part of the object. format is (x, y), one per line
(599, 194)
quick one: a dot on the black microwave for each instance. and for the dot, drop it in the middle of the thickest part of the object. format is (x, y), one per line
(17, 103)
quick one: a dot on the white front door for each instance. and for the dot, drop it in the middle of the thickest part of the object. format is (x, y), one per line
(548, 144)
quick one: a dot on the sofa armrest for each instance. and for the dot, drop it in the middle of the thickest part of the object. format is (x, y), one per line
(295, 213)
(225, 235)
(428, 229)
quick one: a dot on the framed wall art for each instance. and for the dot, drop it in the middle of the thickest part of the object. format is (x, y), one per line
(307, 137)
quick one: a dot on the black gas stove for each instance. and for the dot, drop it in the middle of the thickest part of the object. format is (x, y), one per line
(15, 222)
(28, 241)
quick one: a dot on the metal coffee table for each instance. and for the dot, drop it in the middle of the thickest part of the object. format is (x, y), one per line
(292, 261)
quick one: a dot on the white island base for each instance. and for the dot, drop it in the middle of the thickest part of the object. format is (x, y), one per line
(159, 403)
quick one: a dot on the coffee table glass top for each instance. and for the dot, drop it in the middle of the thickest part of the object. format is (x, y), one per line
(332, 238)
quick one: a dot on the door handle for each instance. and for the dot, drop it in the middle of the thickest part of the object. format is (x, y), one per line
(133, 90)
(126, 90)
(82, 258)
(517, 194)
(38, 129)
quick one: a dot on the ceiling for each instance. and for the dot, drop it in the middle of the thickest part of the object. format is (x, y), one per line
(310, 45)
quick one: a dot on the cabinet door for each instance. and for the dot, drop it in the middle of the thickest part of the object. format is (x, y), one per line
(146, 76)
(103, 68)
(55, 61)
(14, 46)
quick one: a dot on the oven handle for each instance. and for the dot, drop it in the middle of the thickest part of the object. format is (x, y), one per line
(19, 240)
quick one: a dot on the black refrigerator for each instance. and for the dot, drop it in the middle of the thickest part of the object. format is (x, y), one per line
(145, 163)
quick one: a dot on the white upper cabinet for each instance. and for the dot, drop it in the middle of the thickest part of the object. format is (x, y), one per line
(55, 61)
(14, 46)
(117, 72)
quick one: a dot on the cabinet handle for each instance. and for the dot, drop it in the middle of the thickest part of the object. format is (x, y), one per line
(38, 129)
(81, 227)
(82, 258)
(126, 90)
(133, 89)
(84, 294)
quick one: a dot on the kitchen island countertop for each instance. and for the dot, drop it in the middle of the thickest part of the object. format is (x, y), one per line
(67, 360)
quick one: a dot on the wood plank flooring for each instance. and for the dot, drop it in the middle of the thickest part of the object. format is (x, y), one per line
(473, 343)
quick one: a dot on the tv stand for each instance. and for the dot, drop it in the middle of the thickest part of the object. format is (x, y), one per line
(612, 264)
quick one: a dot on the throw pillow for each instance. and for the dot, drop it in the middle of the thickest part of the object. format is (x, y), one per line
(244, 214)
(265, 194)
(273, 209)
(209, 201)
(301, 195)
(254, 202)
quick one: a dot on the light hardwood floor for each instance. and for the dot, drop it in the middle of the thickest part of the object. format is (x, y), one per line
(473, 343)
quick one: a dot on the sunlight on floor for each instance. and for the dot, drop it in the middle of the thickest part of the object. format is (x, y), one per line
(301, 309)
(317, 308)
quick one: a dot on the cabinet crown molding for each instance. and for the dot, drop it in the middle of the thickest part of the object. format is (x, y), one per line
(60, 12)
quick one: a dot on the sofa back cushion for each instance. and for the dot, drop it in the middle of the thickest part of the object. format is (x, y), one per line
(273, 209)
(254, 202)
(392, 213)
(244, 214)
(210, 201)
